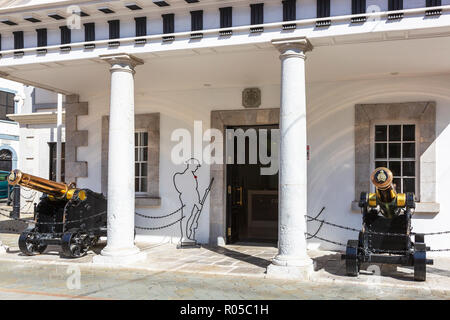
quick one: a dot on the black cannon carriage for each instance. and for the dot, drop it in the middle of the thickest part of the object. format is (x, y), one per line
(386, 235)
(66, 216)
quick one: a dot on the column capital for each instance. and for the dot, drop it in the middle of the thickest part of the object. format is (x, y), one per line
(122, 60)
(297, 46)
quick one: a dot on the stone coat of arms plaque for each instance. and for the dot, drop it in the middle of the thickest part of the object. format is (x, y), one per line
(251, 97)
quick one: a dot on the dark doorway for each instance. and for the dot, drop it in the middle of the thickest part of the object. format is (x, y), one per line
(252, 198)
(5, 160)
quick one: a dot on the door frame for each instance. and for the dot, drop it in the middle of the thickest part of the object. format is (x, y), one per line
(221, 119)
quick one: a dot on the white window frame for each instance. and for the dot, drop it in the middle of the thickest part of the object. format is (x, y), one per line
(140, 193)
(416, 141)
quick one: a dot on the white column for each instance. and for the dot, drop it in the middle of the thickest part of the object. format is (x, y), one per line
(120, 246)
(292, 258)
(58, 137)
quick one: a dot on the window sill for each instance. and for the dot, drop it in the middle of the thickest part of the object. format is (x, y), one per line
(147, 202)
(421, 207)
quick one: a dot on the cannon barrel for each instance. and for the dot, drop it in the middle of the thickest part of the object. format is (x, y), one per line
(57, 190)
(382, 180)
(385, 195)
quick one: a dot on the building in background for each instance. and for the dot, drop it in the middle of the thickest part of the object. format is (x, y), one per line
(375, 81)
(28, 133)
(10, 100)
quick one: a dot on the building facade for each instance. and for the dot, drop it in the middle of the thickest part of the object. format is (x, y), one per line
(351, 85)
(9, 130)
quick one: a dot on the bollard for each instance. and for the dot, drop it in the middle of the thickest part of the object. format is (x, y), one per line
(15, 214)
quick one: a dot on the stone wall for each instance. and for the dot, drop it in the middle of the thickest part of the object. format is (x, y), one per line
(75, 138)
(424, 114)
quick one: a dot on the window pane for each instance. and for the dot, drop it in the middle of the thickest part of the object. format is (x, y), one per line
(135, 154)
(143, 169)
(143, 185)
(409, 185)
(409, 132)
(144, 141)
(136, 184)
(10, 100)
(379, 164)
(145, 154)
(380, 150)
(380, 133)
(394, 150)
(3, 95)
(136, 139)
(397, 184)
(136, 170)
(409, 168)
(395, 133)
(394, 166)
(3, 112)
(409, 150)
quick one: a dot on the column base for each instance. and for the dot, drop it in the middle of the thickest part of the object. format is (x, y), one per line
(291, 267)
(119, 256)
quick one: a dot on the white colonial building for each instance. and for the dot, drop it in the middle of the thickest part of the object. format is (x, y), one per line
(28, 133)
(9, 130)
(362, 83)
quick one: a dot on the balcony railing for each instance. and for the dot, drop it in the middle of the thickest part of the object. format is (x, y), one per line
(145, 40)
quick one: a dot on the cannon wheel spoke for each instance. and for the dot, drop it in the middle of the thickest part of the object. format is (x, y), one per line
(75, 244)
(27, 245)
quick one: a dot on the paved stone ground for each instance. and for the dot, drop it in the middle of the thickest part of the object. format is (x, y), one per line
(46, 281)
(230, 272)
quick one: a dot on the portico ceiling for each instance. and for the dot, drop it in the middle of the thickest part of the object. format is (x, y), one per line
(332, 59)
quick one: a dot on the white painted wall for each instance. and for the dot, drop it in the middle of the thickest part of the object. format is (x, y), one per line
(330, 135)
(34, 157)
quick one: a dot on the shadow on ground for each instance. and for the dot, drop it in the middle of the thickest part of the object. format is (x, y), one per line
(333, 264)
(257, 261)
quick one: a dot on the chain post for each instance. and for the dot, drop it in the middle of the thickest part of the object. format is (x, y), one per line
(15, 214)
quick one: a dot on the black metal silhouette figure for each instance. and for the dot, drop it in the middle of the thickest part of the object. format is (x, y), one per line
(191, 207)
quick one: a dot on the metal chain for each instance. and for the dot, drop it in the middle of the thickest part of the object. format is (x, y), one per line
(326, 240)
(52, 223)
(332, 224)
(158, 228)
(435, 233)
(158, 217)
(357, 230)
(60, 234)
(71, 221)
(33, 195)
(374, 232)
(17, 219)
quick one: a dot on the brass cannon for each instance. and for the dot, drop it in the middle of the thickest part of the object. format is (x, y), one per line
(386, 235)
(65, 215)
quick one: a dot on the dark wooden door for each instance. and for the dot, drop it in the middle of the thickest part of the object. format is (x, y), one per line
(252, 198)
